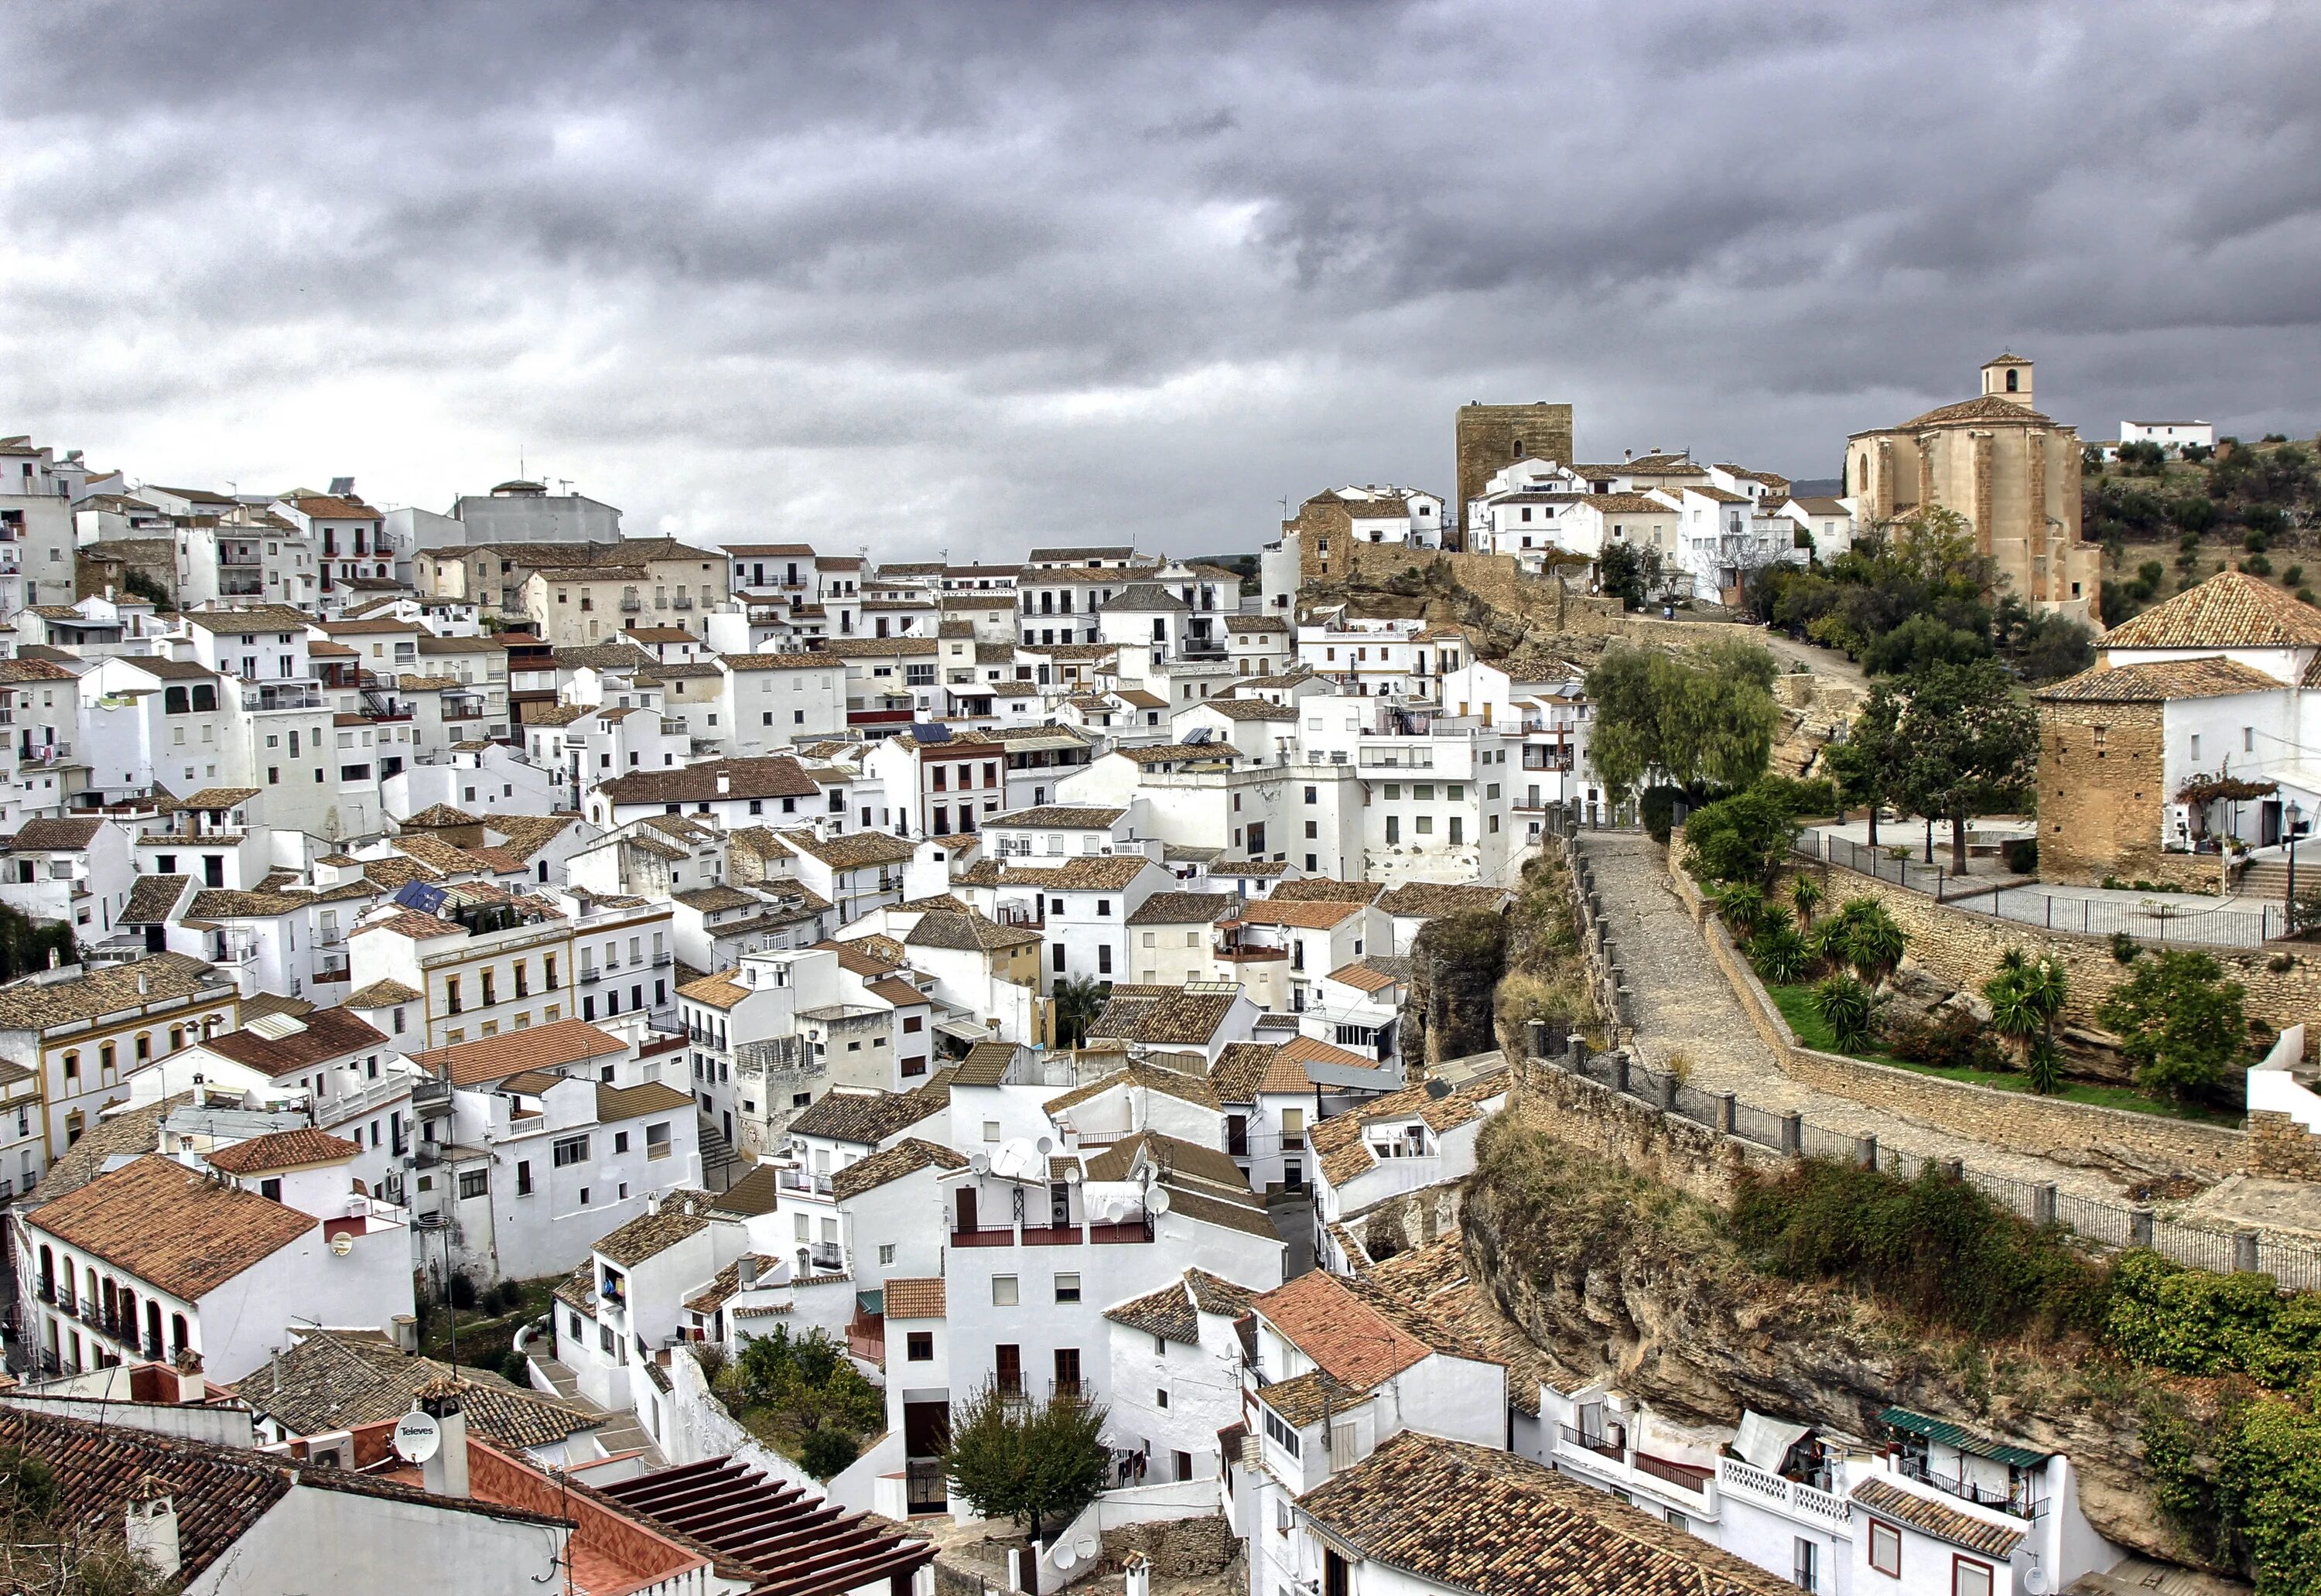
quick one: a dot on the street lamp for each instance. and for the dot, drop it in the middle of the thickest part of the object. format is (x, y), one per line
(2295, 814)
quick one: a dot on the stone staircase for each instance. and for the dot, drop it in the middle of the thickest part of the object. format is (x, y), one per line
(2267, 879)
(720, 1165)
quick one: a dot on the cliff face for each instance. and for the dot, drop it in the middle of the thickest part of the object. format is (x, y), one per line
(1624, 1281)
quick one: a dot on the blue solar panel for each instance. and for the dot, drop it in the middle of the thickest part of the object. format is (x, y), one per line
(420, 895)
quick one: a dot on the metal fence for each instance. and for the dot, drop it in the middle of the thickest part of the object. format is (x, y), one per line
(2294, 1265)
(2158, 917)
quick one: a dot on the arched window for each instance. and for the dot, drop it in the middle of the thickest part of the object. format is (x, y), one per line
(173, 701)
(153, 1329)
(177, 1334)
(48, 1272)
(2014, 380)
(205, 695)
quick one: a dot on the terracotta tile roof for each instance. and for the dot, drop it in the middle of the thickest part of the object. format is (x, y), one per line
(171, 1226)
(1101, 872)
(615, 1103)
(151, 899)
(1889, 1500)
(970, 929)
(439, 815)
(905, 1157)
(1326, 890)
(511, 1053)
(802, 661)
(1187, 909)
(332, 1380)
(1981, 407)
(1345, 1153)
(1189, 1089)
(1173, 1018)
(682, 1214)
(60, 835)
(726, 1283)
(1414, 899)
(1434, 1280)
(1173, 1312)
(1058, 817)
(773, 777)
(283, 1150)
(1176, 752)
(757, 1192)
(2210, 676)
(865, 955)
(1256, 868)
(1248, 709)
(854, 850)
(1302, 1051)
(1245, 1069)
(720, 990)
(28, 1005)
(911, 1298)
(1363, 976)
(1475, 1518)
(383, 994)
(222, 903)
(870, 1117)
(1305, 915)
(1179, 1161)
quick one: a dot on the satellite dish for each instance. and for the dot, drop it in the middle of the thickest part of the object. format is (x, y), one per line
(1065, 1557)
(1086, 1549)
(1073, 1173)
(1158, 1203)
(978, 1163)
(342, 1244)
(1046, 1145)
(2035, 1581)
(417, 1437)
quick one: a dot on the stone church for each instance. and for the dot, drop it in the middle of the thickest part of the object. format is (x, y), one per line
(2012, 473)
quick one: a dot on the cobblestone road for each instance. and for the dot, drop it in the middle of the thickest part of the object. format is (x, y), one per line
(1683, 1004)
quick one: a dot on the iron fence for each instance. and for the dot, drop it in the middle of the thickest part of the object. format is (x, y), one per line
(2294, 1265)
(2158, 917)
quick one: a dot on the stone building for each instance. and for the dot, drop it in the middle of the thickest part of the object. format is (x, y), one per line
(2011, 472)
(2189, 730)
(1489, 437)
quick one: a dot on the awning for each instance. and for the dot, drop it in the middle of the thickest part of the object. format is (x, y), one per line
(870, 1304)
(963, 1030)
(1943, 1433)
(1766, 1442)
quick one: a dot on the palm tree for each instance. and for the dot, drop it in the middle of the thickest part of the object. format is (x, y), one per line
(2026, 997)
(1807, 894)
(1079, 999)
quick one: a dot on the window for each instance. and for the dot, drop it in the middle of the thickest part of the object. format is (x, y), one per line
(657, 1141)
(887, 1253)
(524, 1177)
(919, 1346)
(474, 1182)
(1280, 1433)
(1160, 1399)
(1003, 1290)
(270, 1189)
(571, 1150)
(1970, 1578)
(1068, 1288)
(620, 1141)
(1806, 1568)
(1885, 1549)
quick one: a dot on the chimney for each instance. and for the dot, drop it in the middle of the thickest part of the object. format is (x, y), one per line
(725, 784)
(152, 1530)
(745, 1273)
(192, 1388)
(144, 982)
(446, 1472)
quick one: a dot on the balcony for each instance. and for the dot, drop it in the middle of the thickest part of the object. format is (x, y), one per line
(828, 1257)
(800, 1181)
(682, 601)
(1051, 1235)
(1745, 1479)
(2017, 1500)
(283, 698)
(629, 606)
(1003, 1237)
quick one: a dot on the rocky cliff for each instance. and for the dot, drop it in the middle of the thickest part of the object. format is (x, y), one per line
(1619, 1279)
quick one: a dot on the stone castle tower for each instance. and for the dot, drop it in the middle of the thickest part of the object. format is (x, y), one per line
(1490, 437)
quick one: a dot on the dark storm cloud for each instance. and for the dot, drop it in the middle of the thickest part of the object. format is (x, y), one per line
(974, 274)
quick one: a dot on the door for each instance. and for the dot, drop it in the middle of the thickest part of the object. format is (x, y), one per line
(967, 1210)
(2268, 823)
(1008, 1361)
(1068, 1371)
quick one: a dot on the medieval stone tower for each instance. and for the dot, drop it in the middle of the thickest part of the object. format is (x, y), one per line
(1491, 437)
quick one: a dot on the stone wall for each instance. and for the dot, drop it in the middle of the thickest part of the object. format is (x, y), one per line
(1963, 948)
(2100, 803)
(1178, 1549)
(2278, 1145)
(1488, 438)
(1589, 1116)
(2020, 1122)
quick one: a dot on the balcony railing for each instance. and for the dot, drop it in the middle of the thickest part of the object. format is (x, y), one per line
(1601, 1444)
(2018, 1500)
(1003, 1238)
(828, 1255)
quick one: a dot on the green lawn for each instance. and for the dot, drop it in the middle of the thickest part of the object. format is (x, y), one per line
(1795, 1004)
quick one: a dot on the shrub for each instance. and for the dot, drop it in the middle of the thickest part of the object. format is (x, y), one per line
(1844, 1005)
(1742, 905)
(1932, 1246)
(1658, 809)
(2293, 577)
(1739, 838)
(1780, 954)
(463, 1291)
(2022, 856)
(1806, 895)
(2180, 1023)
(1817, 797)
(2257, 565)
(1949, 1041)
(2190, 1321)
(1863, 936)
(823, 1453)
(2124, 947)
(2042, 1067)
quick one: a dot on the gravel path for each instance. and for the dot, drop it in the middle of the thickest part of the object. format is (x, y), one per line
(1683, 1004)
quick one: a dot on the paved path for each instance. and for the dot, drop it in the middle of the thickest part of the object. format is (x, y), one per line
(1684, 1004)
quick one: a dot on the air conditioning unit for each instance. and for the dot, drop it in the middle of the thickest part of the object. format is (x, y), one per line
(332, 1449)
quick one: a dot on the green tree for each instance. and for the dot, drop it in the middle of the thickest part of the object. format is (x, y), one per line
(1920, 641)
(1038, 1463)
(1846, 1006)
(1868, 765)
(2025, 996)
(1079, 999)
(1969, 747)
(813, 1391)
(1863, 936)
(1631, 574)
(1741, 839)
(2179, 1022)
(1705, 718)
(1806, 895)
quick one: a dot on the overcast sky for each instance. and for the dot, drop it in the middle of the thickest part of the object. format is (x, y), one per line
(981, 276)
